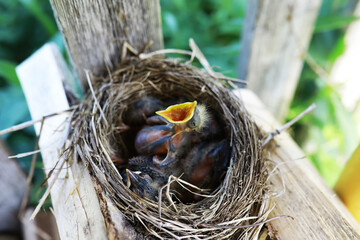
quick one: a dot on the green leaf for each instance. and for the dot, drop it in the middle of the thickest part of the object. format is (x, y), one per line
(13, 107)
(47, 22)
(332, 22)
(7, 71)
(346, 124)
(170, 21)
(338, 50)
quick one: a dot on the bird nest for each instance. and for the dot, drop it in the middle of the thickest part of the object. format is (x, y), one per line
(236, 208)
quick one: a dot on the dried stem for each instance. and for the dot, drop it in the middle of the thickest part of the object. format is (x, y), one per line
(288, 124)
(32, 122)
(47, 192)
(30, 176)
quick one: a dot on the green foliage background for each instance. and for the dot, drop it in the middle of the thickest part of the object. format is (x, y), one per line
(327, 136)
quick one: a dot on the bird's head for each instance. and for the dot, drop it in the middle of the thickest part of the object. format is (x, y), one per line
(188, 115)
(142, 184)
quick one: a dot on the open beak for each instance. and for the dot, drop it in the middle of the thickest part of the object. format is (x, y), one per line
(130, 177)
(179, 113)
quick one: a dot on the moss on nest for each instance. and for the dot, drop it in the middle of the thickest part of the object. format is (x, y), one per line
(235, 209)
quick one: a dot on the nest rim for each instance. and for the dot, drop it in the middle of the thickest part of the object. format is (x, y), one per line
(246, 175)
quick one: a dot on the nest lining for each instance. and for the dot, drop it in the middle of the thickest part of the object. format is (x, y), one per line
(234, 209)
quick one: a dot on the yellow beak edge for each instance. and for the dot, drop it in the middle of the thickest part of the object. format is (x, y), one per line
(179, 113)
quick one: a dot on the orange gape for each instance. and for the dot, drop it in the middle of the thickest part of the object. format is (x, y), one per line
(179, 113)
(156, 139)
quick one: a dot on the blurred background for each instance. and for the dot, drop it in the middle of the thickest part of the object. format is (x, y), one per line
(328, 136)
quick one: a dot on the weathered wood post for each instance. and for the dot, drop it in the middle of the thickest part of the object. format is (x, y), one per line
(275, 39)
(94, 31)
(310, 209)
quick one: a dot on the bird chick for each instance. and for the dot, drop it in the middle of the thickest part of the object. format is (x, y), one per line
(186, 116)
(172, 122)
(142, 184)
(137, 115)
(142, 177)
(204, 166)
(187, 120)
(153, 140)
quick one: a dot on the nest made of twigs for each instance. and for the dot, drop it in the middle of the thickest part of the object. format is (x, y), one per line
(235, 209)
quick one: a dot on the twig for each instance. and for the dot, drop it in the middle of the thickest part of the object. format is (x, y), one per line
(32, 122)
(94, 96)
(125, 48)
(47, 192)
(194, 53)
(33, 227)
(249, 225)
(31, 175)
(200, 56)
(49, 175)
(317, 68)
(146, 46)
(164, 51)
(288, 124)
(21, 155)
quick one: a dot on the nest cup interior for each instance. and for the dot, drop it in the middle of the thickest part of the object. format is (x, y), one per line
(233, 209)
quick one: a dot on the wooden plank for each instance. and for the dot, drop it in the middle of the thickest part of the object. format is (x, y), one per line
(74, 199)
(12, 188)
(94, 31)
(275, 39)
(316, 210)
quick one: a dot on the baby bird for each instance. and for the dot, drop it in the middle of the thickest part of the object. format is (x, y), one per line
(137, 115)
(186, 116)
(205, 163)
(142, 184)
(153, 140)
(142, 177)
(182, 140)
(172, 123)
(203, 166)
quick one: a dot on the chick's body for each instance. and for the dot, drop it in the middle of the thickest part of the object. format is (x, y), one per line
(141, 110)
(143, 178)
(203, 166)
(182, 140)
(165, 131)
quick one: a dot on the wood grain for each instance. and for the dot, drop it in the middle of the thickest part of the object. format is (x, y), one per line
(275, 38)
(73, 196)
(314, 209)
(94, 31)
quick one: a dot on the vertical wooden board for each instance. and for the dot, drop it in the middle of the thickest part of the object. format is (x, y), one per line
(94, 31)
(74, 200)
(275, 39)
(316, 210)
